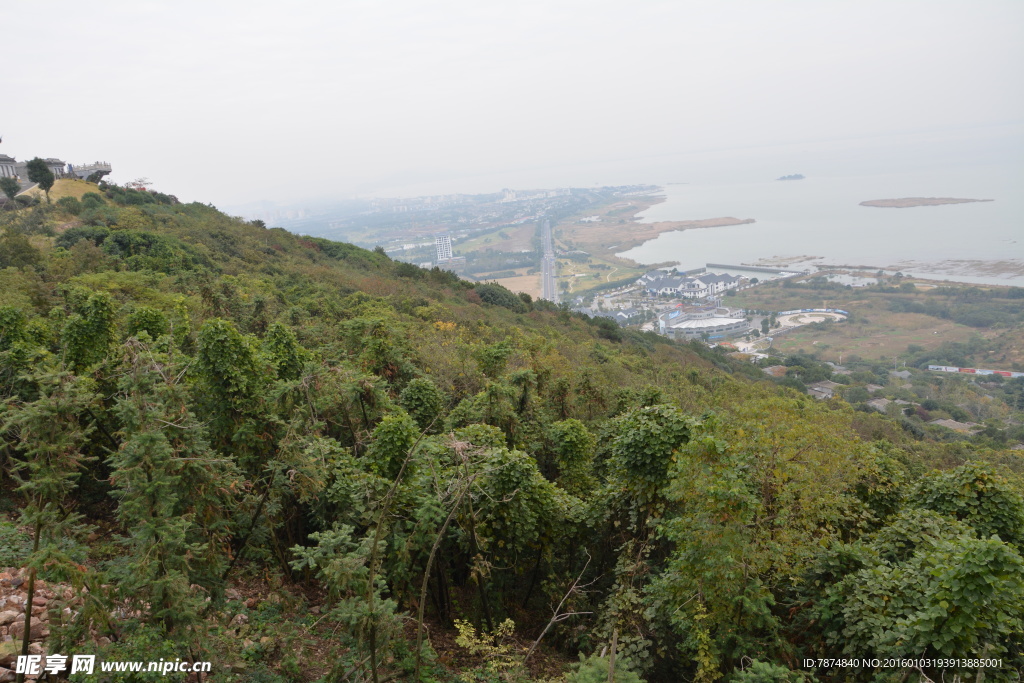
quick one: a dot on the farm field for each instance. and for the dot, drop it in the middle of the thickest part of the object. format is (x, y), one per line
(527, 284)
(884, 335)
(875, 330)
(511, 239)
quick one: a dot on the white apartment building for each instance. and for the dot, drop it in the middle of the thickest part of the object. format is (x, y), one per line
(443, 245)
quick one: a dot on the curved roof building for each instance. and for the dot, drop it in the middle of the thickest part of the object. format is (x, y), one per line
(714, 328)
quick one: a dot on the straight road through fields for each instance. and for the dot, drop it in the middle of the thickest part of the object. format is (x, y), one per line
(548, 265)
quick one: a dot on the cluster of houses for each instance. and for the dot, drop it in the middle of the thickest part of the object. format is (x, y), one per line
(706, 319)
(623, 316)
(702, 316)
(702, 286)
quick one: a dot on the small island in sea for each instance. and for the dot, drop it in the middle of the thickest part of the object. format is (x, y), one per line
(795, 176)
(907, 202)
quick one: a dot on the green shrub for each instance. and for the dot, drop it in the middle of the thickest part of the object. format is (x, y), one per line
(766, 672)
(594, 669)
(15, 545)
(87, 232)
(497, 295)
(70, 205)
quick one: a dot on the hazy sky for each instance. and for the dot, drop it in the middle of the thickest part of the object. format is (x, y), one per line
(236, 101)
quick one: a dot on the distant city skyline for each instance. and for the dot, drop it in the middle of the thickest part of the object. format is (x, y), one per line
(239, 102)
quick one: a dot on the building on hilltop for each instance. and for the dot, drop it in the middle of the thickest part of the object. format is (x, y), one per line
(83, 171)
(12, 168)
(443, 246)
(7, 166)
(57, 167)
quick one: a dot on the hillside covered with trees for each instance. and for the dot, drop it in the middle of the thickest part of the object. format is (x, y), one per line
(300, 460)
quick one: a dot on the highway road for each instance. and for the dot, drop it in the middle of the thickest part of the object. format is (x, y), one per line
(548, 265)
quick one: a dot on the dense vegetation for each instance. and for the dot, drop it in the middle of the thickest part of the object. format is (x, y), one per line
(465, 484)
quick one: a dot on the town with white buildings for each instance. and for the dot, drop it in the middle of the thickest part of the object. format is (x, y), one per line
(678, 305)
(703, 286)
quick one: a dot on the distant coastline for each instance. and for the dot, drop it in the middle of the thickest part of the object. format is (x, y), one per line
(908, 202)
(619, 226)
(638, 232)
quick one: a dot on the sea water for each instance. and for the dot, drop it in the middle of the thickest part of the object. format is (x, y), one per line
(819, 220)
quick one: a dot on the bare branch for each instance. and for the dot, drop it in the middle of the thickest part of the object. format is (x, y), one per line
(558, 616)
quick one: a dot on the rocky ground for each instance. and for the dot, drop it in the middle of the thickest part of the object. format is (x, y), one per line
(50, 602)
(56, 603)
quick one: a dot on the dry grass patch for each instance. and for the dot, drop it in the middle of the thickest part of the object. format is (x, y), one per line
(530, 284)
(885, 335)
(65, 187)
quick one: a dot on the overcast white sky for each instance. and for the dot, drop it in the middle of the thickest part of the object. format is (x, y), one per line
(236, 101)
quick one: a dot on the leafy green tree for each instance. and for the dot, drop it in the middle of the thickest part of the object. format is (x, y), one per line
(148, 320)
(9, 186)
(230, 384)
(423, 401)
(284, 352)
(39, 172)
(17, 252)
(574, 449)
(343, 562)
(517, 506)
(793, 383)
(92, 200)
(856, 395)
(12, 327)
(494, 406)
(493, 358)
(89, 330)
(974, 493)
(646, 443)
(70, 204)
(162, 476)
(560, 398)
(393, 438)
(749, 500)
(933, 593)
(19, 353)
(380, 347)
(591, 394)
(493, 293)
(50, 433)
